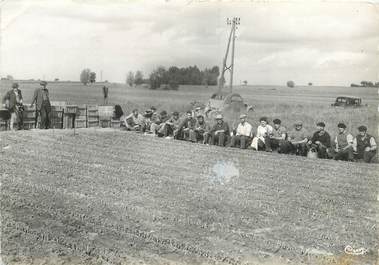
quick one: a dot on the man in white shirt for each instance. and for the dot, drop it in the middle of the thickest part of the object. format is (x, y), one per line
(243, 134)
(264, 131)
(344, 144)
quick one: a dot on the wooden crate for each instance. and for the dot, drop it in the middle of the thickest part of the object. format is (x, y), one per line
(80, 123)
(71, 109)
(115, 123)
(106, 112)
(68, 121)
(92, 116)
(92, 123)
(29, 124)
(82, 112)
(56, 117)
(105, 123)
(4, 126)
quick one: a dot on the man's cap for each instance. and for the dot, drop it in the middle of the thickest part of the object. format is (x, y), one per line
(321, 124)
(43, 83)
(263, 119)
(341, 125)
(163, 112)
(153, 108)
(243, 116)
(189, 112)
(175, 113)
(15, 85)
(298, 123)
(277, 121)
(219, 117)
(362, 128)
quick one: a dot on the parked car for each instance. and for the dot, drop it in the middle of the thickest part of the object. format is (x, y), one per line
(348, 101)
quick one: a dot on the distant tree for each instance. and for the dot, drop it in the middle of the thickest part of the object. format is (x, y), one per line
(364, 83)
(138, 78)
(56, 79)
(290, 83)
(370, 84)
(92, 77)
(310, 84)
(354, 85)
(245, 82)
(9, 77)
(376, 84)
(85, 76)
(130, 78)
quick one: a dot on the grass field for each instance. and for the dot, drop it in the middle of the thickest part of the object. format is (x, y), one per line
(105, 195)
(125, 198)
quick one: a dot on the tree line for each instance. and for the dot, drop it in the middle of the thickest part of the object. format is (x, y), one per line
(174, 76)
(366, 84)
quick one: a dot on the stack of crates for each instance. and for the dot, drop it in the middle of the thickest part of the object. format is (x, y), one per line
(115, 123)
(70, 113)
(92, 116)
(57, 117)
(4, 119)
(29, 116)
(81, 117)
(105, 116)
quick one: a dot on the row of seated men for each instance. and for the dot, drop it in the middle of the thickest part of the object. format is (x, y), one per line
(267, 138)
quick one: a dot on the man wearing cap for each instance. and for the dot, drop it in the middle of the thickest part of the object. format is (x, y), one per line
(43, 107)
(187, 128)
(172, 126)
(243, 133)
(278, 139)
(344, 144)
(12, 100)
(264, 131)
(134, 121)
(158, 123)
(364, 146)
(220, 131)
(321, 141)
(298, 139)
(202, 130)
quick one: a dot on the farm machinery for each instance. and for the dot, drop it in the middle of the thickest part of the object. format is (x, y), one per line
(230, 104)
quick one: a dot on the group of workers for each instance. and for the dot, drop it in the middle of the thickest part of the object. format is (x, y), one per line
(194, 128)
(267, 138)
(13, 102)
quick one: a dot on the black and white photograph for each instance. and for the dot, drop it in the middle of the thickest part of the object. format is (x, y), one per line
(185, 132)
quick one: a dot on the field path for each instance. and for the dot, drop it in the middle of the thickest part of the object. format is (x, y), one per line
(123, 197)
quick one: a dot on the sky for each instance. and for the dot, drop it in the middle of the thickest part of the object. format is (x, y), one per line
(326, 43)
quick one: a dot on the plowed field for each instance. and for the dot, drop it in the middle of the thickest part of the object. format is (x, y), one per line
(103, 195)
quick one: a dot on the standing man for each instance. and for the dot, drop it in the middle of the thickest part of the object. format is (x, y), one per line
(321, 141)
(344, 144)
(364, 145)
(13, 102)
(298, 139)
(105, 94)
(220, 131)
(278, 139)
(243, 134)
(43, 106)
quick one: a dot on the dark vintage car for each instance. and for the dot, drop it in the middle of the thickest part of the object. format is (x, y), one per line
(347, 101)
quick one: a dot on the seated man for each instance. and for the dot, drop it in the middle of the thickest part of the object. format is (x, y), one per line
(202, 130)
(278, 139)
(364, 146)
(158, 124)
(298, 139)
(264, 131)
(321, 141)
(172, 126)
(220, 131)
(344, 144)
(243, 133)
(134, 121)
(187, 128)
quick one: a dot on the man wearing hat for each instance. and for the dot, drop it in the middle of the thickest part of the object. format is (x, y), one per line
(43, 106)
(134, 121)
(220, 131)
(243, 133)
(158, 123)
(264, 131)
(202, 130)
(187, 128)
(321, 141)
(278, 139)
(172, 126)
(298, 139)
(344, 144)
(364, 145)
(12, 100)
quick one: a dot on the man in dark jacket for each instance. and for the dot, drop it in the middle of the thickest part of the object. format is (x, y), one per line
(187, 128)
(202, 130)
(365, 146)
(220, 131)
(43, 106)
(13, 102)
(321, 141)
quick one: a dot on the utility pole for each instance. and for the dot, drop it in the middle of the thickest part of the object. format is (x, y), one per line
(234, 22)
